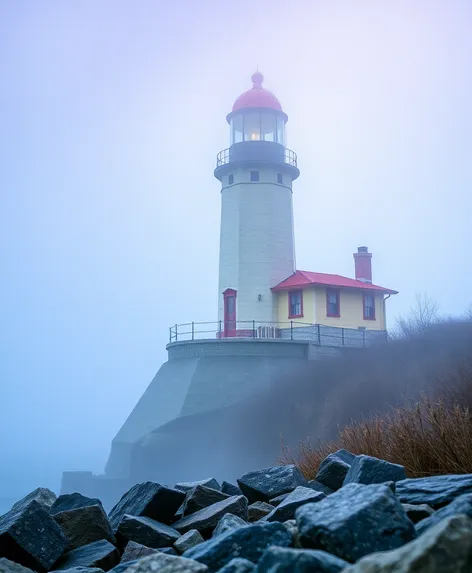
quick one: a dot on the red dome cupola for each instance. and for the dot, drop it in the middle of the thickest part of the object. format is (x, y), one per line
(257, 96)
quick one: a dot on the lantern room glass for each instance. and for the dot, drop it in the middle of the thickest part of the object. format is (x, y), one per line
(257, 125)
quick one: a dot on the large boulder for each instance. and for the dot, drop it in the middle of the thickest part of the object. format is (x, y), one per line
(70, 501)
(42, 495)
(101, 554)
(332, 472)
(461, 505)
(262, 485)
(230, 488)
(199, 497)
(207, 518)
(258, 510)
(187, 541)
(160, 562)
(30, 536)
(147, 499)
(227, 523)
(299, 496)
(7, 566)
(367, 470)
(134, 551)
(146, 531)
(444, 548)
(317, 486)
(355, 521)
(435, 491)
(248, 542)
(284, 560)
(238, 565)
(189, 485)
(85, 525)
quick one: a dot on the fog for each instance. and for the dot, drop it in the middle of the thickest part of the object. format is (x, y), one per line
(111, 116)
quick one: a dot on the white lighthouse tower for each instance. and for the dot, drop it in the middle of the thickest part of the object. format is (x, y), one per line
(257, 248)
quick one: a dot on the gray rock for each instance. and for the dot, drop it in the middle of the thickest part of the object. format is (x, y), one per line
(187, 541)
(332, 472)
(298, 497)
(462, 505)
(167, 550)
(283, 560)
(435, 491)
(230, 488)
(30, 536)
(275, 501)
(257, 510)
(7, 566)
(134, 551)
(417, 512)
(124, 566)
(163, 563)
(207, 518)
(291, 526)
(147, 499)
(85, 525)
(146, 531)
(187, 486)
(42, 495)
(367, 470)
(199, 497)
(317, 486)
(101, 554)
(70, 501)
(444, 548)
(248, 542)
(345, 456)
(83, 570)
(238, 565)
(227, 523)
(355, 521)
(262, 485)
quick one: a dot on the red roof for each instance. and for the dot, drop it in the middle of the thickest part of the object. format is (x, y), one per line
(257, 96)
(304, 278)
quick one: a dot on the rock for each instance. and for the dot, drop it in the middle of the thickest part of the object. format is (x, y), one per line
(345, 456)
(461, 505)
(435, 491)
(147, 499)
(355, 521)
(283, 560)
(317, 486)
(444, 548)
(30, 536)
(417, 512)
(275, 501)
(187, 486)
(44, 496)
(230, 488)
(83, 570)
(161, 563)
(187, 541)
(70, 501)
(298, 497)
(7, 566)
(134, 551)
(262, 485)
(367, 470)
(291, 526)
(146, 531)
(85, 525)
(200, 497)
(101, 554)
(257, 510)
(248, 542)
(332, 472)
(227, 523)
(238, 565)
(167, 550)
(124, 566)
(207, 518)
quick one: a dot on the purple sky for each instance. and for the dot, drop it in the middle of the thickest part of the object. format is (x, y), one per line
(111, 116)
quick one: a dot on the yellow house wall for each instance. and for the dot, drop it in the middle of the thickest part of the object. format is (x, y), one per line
(351, 306)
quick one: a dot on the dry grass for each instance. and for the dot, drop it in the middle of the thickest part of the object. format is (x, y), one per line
(433, 437)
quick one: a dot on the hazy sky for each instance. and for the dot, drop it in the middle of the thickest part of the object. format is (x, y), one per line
(111, 116)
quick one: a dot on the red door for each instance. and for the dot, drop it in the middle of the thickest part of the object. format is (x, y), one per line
(229, 313)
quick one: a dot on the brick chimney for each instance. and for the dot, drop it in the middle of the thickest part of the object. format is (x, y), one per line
(363, 265)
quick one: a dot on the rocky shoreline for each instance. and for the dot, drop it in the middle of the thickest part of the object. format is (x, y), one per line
(360, 515)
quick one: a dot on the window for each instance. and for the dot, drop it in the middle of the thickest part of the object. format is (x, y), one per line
(280, 178)
(280, 130)
(369, 307)
(332, 302)
(268, 126)
(230, 179)
(295, 304)
(254, 175)
(236, 129)
(252, 126)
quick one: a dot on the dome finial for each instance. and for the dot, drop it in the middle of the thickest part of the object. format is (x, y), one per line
(257, 79)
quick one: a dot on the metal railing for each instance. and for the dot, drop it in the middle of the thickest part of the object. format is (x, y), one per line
(318, 334)
(224, 157)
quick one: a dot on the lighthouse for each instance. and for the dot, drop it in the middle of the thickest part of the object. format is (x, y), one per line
(257, 248)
